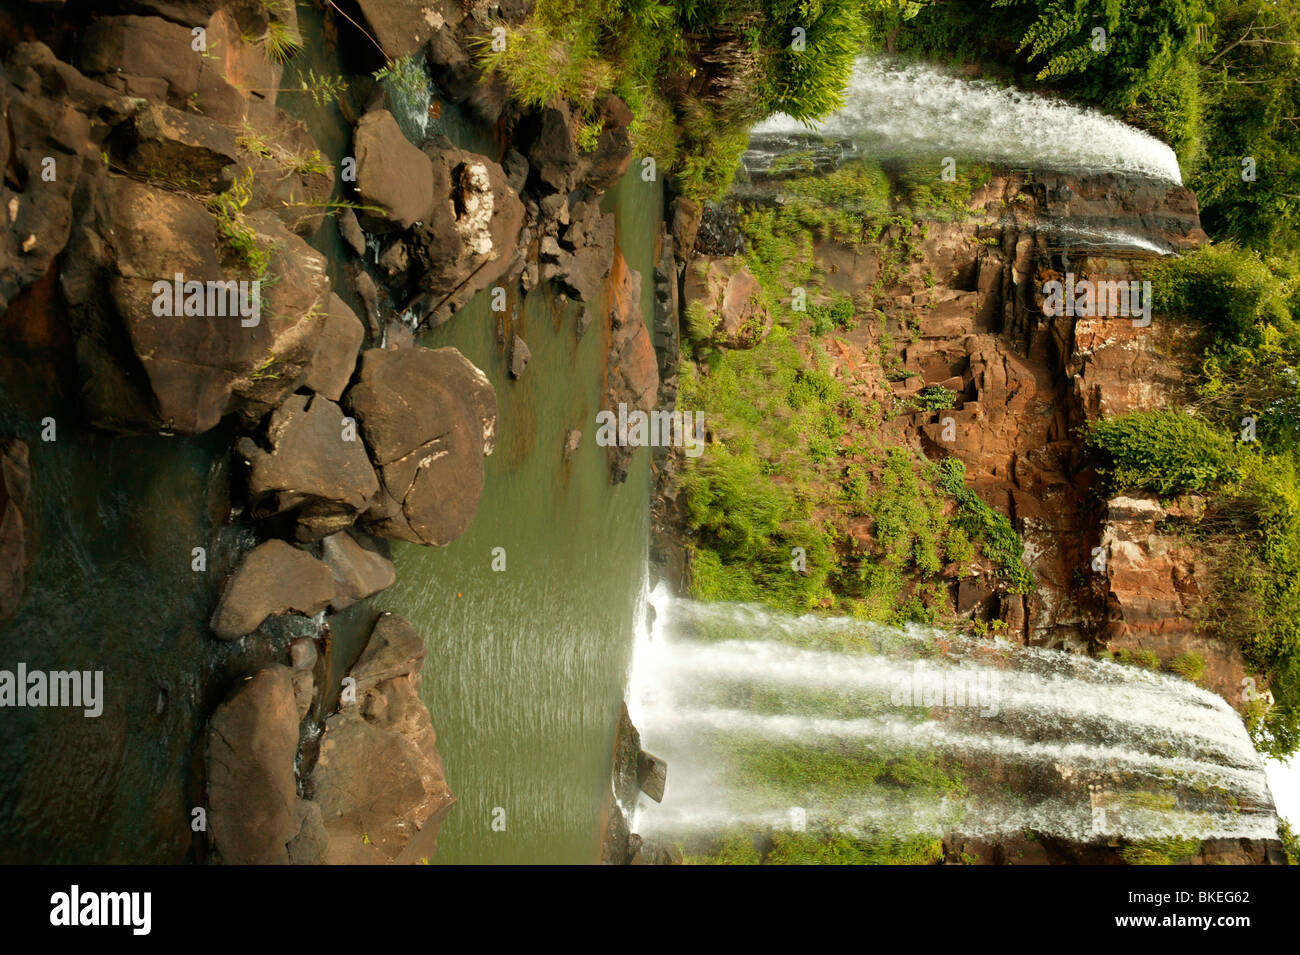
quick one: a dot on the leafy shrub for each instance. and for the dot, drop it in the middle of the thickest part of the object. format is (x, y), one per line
(1167, 452)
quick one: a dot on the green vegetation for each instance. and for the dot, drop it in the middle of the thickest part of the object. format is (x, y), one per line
(1169, 851)
(1167, 452)
(228, 208)
(1189, 666)
(1290, 842)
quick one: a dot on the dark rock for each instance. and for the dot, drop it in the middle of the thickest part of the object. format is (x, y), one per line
(552, 153)
(627, 750)
(428, 417)
(162, 143)
(290, 176)
(609, 161)
(394, 260)
(391, 174)
(314, 466)
(519, 357)
(251, 743)
(350, 231)
(468, 242)
(456, 75)
(686, 215)
(273, 578)
(515, 167)
(15, 488)
(359, 571)
(183, 373)
(336, 355)
(369, 295)
(151, 58)
(379, 779)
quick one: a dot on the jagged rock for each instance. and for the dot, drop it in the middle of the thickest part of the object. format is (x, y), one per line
(350, 231)
(515, 166)
(468, 241)
(251, 743)
(686, 215)
(632, 370)
(461, 80)
(428, 417)
(273, 578)
(162, 143)
(519, 356)
(151, 58)
(15, 488)
(379, 779)
(627, 750)
(552, 152)
(197, 368)
(53, 114)
(726, 288)
(290, 177)
(336, 355)
(609, 161)
(314, 466)
(359, 571)
(391, 174)
(310, 842)
(651, 775)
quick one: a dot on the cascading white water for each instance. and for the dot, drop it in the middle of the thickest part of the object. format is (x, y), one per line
(1077, 748)
(895, 110)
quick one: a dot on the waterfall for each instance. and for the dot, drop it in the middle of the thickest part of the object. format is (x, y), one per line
(837, 725)
(896, 111)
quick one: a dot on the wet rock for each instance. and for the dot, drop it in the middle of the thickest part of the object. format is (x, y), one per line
(651, 775)
(379, 779)
(360, 571)
(336, 355)
(632, 370)
(627, 750)
(251, 743)
(428, 417)
(468, 241)
(350, 232)
(273, 578)
(196, 368)
(391, 174)
(15, 488)
(166, 144)
(519, 357)
(312, 465)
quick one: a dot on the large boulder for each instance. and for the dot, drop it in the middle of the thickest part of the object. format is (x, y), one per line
(313, 465)
(184, 148)
(359, 569)
(609, 161)
(146, 371)
(392, 175)
(469, 240)
(428, 417)
(273, 578)
(399, 27)
(379, 780)
(15, 488)
(251, 743)
(336, 355)
(584, 254)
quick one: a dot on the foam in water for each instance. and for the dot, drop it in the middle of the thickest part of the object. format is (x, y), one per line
(1068, 746)
(894, 110)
